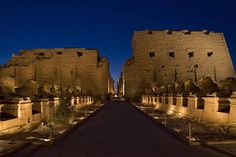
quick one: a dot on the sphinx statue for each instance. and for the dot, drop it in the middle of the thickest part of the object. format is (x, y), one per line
(30, 89)
(70, 91)
(179, 87)
(77, 91)
(67, 91)
(171, 88)
(163, 89)
(55, 90)
(63, 90)
(227, 85)
(207, 86)
(44, 90)
(7, 86)
(154, 87)
(190, 87)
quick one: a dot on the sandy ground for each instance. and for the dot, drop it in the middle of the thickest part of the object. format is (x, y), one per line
(118, 130)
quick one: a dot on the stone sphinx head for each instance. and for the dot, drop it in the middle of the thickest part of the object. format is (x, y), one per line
(30, 89)
(206, 85)
(228, 85)
(190, 87)
(7, 86)
(164, 89)
(44, 90)
(70, 90)
(55, 90)
(179, 87)
(77, 90)
(171, 88)
(154, 87)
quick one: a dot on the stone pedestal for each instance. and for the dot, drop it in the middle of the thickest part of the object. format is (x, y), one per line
(21, 109)
(42, 105)
(55, 101)
(144, 99)
(216, 110)
(192, 100)
(171, 104)
(178, 103)
(232, 112)
(77, 101)
(210, 108)
(89, 100)
(72, 101)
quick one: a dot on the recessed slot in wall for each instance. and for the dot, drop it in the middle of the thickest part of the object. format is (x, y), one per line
(151, 54)
(41, 54)
(79, 54)
(169, 32)
(209, 54)
(172, 54)
(207, 33)
(187, 33)
(190, 54)
(150, 32)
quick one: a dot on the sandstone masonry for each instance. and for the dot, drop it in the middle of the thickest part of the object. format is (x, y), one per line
(63, 66)
(168, 56)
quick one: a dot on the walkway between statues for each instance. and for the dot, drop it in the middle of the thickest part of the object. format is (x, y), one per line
(119, 130)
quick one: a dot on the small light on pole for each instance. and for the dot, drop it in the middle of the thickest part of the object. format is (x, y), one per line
(189, 131)
(50, 125)
(85, 108)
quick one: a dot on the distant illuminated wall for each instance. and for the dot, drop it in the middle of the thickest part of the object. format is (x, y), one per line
(65, 66)
(169, 56)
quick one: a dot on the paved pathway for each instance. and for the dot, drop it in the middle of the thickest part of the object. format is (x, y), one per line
(119, 130)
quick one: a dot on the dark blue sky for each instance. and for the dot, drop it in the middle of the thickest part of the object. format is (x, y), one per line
(107, 25)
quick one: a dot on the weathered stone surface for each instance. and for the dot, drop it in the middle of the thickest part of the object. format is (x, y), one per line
(77, 91)
(179, 87)
(154, 87)
(207, 85)
(190, 87)
(30, 89)
(63, 66)
(164, 89)
(170, 56)
(228, 84)
(171, 88)
(7, 86)
(44, 90)
(55, 90)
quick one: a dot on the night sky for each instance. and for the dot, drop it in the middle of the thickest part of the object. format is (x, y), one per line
(107, 25)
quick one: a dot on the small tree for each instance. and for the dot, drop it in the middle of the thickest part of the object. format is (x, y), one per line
(63, 112)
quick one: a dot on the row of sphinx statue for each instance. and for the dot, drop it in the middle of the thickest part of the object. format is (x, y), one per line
(33, 90)
(203, 87)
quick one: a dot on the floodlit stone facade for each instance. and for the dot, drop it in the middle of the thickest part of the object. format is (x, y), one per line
(21, 112)
(218, 110)
(63, 66)
(168, 56)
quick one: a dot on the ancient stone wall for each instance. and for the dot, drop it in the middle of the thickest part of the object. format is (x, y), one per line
(64, 66)
(168, 56)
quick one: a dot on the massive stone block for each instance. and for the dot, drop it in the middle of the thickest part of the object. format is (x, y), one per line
(170, 56)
